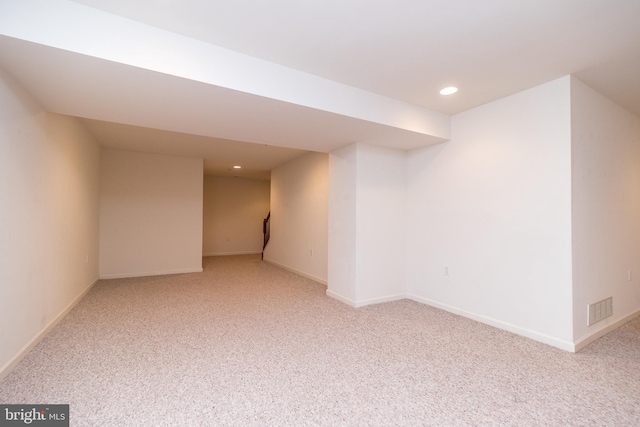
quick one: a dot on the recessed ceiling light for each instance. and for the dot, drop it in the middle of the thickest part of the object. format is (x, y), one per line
(448, 90)
(237, 167)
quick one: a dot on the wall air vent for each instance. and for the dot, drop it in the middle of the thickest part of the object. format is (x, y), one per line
(599, 310)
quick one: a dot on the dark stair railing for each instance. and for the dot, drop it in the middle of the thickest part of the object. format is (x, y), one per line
(266, 226)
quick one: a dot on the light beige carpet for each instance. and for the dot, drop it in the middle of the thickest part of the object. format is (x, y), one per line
(247, 343)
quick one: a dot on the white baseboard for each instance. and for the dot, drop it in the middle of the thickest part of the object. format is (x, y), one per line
(536, 336)
(13, 362)
(381, 300)
(358, 304)
(231, 253)
(301, 273)
(341, 298)
(151, 273)
(563, 345)
(588, 339)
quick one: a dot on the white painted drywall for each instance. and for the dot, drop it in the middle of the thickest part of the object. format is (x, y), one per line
(342, 224)
(49, 183)
(150, 214)
(299, 209)
(57, 23)
(605, 207)
(493, 205)
(367, 227)
(234, 209)
(380, 224)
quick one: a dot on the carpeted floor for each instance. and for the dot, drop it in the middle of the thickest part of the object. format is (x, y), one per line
(247, 343)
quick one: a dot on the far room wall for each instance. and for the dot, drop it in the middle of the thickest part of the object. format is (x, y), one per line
(150, 214)
(233, 213)
(299, 210)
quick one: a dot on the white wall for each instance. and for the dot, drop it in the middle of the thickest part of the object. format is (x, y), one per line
(299, 209)
(150, 214)
(342, 224)
(234, 209)
(606, 208)
(381, 224)
(493, 205)
(367, 228)
(49, 202)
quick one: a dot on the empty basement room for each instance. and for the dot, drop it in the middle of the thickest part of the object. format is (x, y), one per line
(437, 256)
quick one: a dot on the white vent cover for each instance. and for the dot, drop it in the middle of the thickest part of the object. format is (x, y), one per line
(599, 310)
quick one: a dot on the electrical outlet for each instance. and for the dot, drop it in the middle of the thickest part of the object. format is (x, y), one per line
(446, 270)
(310, 252)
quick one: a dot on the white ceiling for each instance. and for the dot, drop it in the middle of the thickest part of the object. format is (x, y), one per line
(220, 154)
(318, 75)
(410, 49)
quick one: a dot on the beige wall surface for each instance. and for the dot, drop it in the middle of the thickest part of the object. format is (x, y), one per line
(605, 208)
(234, 209)
(299, 210)
(150, 214)
(49, 184)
